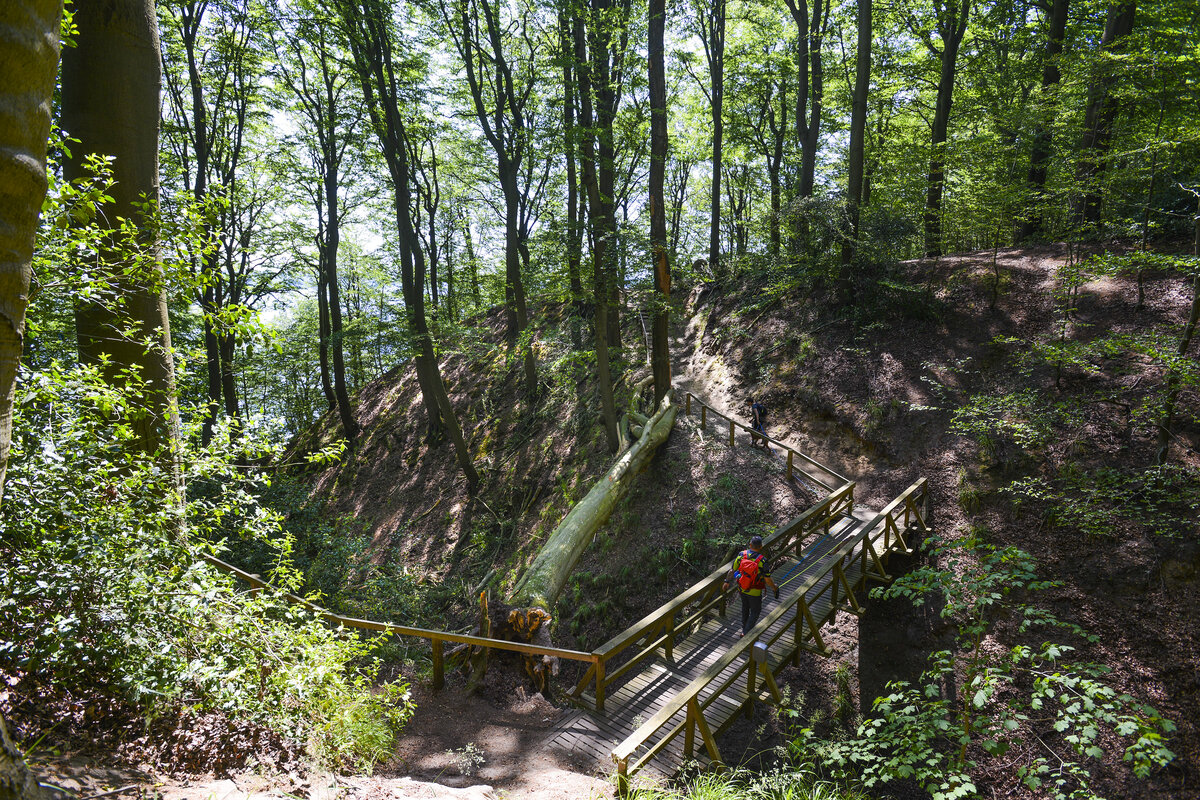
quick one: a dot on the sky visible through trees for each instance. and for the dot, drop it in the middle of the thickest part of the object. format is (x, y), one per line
(984, 124)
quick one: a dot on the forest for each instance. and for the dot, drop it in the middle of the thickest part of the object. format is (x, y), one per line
(408, 310)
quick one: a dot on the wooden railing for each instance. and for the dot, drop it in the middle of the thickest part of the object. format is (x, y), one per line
(437, 639)
(659, 629)
(793, 455)
(885, 534)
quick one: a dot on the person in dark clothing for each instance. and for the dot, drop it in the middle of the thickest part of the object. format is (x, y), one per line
(752, 574)
(758, 422)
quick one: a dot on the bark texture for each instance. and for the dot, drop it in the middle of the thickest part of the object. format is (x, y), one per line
(16, 780)
(545, 578)
(660, 358)
(858, 127)
(111, 82)
(29, 31)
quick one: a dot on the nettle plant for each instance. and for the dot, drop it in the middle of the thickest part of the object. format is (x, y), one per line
(987, 698)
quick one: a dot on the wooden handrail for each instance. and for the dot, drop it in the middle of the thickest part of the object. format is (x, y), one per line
(257, 582)
(689, 397)
(706, 592)
(882, 525)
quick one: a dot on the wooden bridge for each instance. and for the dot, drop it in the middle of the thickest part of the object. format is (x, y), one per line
(660, 692)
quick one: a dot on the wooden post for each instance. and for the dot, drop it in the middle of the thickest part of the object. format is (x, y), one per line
(799, 635)
(687, 404)
(689, 730)
(439, 666)
(623, 778)
(703, 416)
(789, 468)
(600, 686)
(731, 443)
(710, 744)
(669, 642)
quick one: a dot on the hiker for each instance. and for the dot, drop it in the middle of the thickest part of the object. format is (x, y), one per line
(752, 573)
(758, 422)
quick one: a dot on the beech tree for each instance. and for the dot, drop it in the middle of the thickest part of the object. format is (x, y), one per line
(1099, 116)
(214, 70)
(660, 359)
(1056, 25)
(858, 124)
(501, 71)
(948, 20)
(310, 69)
(111, 81)
(370, 33)
(29, 45)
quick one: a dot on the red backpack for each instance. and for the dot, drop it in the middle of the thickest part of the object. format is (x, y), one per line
(747, 570)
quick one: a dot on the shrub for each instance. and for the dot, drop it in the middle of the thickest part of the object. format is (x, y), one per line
(104, 592)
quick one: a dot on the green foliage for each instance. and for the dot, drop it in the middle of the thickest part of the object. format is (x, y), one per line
(1096, 502)
(1006, 697)
(104, 591)
(1005, 425)
(788, 781)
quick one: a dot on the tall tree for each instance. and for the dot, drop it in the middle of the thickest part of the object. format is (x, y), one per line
(370, 32)
(660, 359)
(950, 24)
(592, 54)
(1099, 116)
(500, 95)
(213, 65)
(310, 68)
(29, 44)
(573, 232)
(858, 126)
(710, 25)
(1039, 157)
(810, 84)
(110, 102)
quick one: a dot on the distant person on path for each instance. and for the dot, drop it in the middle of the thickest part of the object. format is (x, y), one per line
(758, 422)
(751, 573)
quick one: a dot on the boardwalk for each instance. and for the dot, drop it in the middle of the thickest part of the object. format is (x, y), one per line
(667, 686)
(584, 736)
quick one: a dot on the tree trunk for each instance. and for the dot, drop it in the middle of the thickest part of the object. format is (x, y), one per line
(1098, 121)
(600, 219)
(323, 336)
(368, 24)
(110, 102)
(952, 24)
(17, 782)
(716, 71)
(543, 581)
(812, 133)
(573, 233)
(336, 332)
(29, 31)
(858, 127)
(1039, 157)
(660, 359)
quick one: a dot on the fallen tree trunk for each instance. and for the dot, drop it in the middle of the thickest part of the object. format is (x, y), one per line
(525, 615)
(541, 584)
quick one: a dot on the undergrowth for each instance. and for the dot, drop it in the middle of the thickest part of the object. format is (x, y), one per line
(105, 595)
